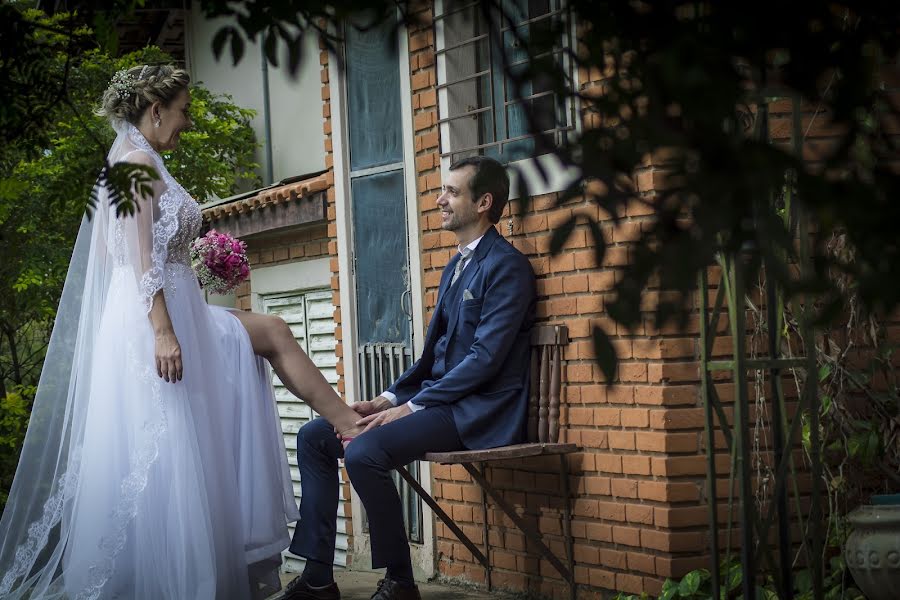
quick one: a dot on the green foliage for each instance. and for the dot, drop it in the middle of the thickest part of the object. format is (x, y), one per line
(47, 174)
(15, 409)
(697, 585)
(215, 157)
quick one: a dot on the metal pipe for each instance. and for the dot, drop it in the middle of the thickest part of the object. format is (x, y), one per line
(267, 117)
(736, 304)
(773, 316)
(712, 500)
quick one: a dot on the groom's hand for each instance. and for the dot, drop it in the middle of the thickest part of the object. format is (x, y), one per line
(371, 407)
(384, 417)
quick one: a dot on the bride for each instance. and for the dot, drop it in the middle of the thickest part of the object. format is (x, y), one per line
(154, 466)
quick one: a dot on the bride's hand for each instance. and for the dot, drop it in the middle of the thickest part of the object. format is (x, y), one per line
(168, 357)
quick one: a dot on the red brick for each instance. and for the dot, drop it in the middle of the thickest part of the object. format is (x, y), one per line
(562, 263)
(672, 541)
(675, 372)
(590, 304)
(653, 441)
(676, 517)
(422, 80)
(608, 463)
(611, 511)
(677, 348)
(623, 440)
(632, 372)
(579, 373)
(599, 532)
(595, 439)
(602, 579)
(574, 283)
(424, 120)
(533, 223)
(627, 231)
(677, 418)
(668, 491)
(620, 394)
(639, 513)
(584, 416)
(624, 488)
(687, 465)
(635, 417)
(680, 566)
(629, 536)
(613, 558)
(596, 485)
(586, 554)
(636, 465)
(598, 281)
(644, 563)
(587, 259)
(584, 507)
(607, 416)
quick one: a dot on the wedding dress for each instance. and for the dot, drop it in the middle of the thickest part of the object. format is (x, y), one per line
(129, 486)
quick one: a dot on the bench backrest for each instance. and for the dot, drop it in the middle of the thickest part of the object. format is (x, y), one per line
(547, 342)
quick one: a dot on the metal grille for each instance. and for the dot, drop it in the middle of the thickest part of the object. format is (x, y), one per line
(379, 366)
(478, 47)
(310, 316)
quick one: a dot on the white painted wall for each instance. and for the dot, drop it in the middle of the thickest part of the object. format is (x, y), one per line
(295, 104)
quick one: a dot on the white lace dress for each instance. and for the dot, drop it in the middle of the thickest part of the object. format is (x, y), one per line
(174, 491)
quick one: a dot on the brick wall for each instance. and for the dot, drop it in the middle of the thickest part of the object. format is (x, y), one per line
(639, 478)
(640, 510)
(305, 243)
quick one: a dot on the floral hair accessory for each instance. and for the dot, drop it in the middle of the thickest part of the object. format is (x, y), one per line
(123, 83)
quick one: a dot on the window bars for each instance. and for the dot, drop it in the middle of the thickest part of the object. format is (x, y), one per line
(487, 106)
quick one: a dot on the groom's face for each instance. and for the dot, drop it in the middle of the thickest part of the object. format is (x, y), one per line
(458, 208)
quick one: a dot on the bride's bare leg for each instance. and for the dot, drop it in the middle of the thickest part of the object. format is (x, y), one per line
(272, 339)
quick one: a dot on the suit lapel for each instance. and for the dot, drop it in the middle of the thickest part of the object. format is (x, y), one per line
(481, 251)
(446, 276)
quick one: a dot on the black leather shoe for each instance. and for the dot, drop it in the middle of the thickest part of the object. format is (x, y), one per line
(388, 589)
(300, 590)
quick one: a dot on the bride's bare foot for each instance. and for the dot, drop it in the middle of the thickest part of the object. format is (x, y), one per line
(348, 435)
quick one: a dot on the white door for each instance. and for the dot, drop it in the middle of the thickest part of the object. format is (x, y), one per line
(309, 314)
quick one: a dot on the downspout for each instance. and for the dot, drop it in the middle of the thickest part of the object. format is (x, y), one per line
(267, 117)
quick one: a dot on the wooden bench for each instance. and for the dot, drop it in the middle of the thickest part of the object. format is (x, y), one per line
(547, 342)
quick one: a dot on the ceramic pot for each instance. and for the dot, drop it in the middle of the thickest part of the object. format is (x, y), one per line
(872, 551)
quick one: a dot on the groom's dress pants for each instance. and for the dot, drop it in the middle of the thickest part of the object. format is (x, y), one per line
(369, 460)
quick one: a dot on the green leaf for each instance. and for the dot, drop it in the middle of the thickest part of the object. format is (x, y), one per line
(690, 583)
(669, 590)
(824, 372)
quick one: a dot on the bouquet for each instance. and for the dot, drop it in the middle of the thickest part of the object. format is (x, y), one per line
(220, 261)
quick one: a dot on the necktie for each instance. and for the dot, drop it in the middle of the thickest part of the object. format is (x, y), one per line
(461, 263)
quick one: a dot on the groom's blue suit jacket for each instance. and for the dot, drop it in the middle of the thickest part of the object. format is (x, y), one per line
(478, 345)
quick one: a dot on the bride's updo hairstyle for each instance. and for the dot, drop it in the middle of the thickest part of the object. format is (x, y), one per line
(132, 90)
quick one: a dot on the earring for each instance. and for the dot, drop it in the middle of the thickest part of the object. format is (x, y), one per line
(157, 122)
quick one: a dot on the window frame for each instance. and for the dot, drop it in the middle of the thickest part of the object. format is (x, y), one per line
(558, 179)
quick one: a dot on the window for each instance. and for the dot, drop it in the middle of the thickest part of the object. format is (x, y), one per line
(481, 113)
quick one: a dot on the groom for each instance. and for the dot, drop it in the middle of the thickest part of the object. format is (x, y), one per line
(468, 390)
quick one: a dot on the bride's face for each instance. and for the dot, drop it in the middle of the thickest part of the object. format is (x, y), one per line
(173, 119)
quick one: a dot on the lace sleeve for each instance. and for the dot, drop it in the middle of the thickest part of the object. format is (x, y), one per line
(143, 239)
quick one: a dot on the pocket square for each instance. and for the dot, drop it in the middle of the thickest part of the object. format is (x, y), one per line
(467, 295)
